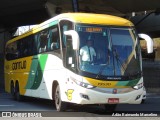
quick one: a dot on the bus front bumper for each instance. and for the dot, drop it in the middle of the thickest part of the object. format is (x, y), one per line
(90, 96)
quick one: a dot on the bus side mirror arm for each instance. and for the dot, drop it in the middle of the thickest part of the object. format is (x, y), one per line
(149, 41)
(75, 38)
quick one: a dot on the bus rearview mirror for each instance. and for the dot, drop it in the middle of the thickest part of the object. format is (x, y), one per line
(149, 41)
(75, 38)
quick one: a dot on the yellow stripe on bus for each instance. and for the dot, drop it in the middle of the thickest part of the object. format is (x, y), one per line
(105, 84)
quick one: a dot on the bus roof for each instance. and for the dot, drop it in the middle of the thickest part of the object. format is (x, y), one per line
(88, 18)
(101, 19)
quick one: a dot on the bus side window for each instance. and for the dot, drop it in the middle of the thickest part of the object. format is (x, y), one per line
(36, 43)
(11, 51)
(43, 41)
(20, 47)
(25, 47)
(64, 26)
(54, 39)
(14, 52)
(28, 51)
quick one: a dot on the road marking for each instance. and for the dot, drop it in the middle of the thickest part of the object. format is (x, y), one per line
(6, 105)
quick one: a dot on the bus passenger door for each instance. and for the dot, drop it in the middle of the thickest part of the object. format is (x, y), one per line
(67, 50)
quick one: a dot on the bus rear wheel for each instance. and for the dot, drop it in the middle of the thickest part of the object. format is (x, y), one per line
(12, 90)
(60, 105)
(18, 97)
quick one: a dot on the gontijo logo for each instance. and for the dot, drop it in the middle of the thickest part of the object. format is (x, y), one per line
(19, 65)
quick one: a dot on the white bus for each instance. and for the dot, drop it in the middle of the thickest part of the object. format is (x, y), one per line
(45, 62)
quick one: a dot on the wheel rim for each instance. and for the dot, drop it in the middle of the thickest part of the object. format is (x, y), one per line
(57, 98)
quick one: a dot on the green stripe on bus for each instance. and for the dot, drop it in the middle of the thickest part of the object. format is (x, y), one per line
(122, 83)
(128, 83)
(36, 71)
(133, 82)
(39, 75)
(32, 73)
(53, 23)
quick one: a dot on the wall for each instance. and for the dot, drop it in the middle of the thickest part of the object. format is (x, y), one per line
(4, 36)
(1, 60)
(149, 24)
(157, 46)
(151, 67)
(156, 42)
(151, 72)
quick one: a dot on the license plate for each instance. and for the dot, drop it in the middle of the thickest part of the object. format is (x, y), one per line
(113, 100)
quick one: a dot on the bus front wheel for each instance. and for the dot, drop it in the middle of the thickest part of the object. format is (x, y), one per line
(60, 105)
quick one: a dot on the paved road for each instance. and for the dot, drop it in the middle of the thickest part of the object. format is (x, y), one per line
(46, 108)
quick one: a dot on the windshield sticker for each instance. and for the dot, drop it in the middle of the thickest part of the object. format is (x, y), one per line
(93, 29)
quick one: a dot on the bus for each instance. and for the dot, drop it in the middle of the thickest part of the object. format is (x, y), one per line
(45, 62)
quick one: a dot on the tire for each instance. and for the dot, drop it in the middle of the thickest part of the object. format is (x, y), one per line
(142, 102)
(12, 90)
(18, 97)
(110, 107)
(60, 105)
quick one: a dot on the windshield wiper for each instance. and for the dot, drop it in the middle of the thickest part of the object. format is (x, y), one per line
(101, 70)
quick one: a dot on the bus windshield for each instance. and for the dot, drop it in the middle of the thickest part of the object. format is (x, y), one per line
(108, 51)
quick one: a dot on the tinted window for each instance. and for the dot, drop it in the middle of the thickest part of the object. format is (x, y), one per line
(42, 41)
(11, 51)
(54, 40)
(20, 48)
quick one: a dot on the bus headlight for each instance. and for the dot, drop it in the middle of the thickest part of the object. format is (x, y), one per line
(85, 85)
(138, 86)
